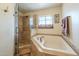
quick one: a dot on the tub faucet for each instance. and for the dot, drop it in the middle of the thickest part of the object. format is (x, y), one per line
(41, 38)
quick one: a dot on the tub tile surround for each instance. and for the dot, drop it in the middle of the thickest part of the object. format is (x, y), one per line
(65, 38)
(48, 34)
(54, 52)
(71, 44)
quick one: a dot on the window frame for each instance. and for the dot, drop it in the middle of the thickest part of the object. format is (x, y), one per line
(45, 26)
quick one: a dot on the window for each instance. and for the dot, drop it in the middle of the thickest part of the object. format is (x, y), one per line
(31, 22)
(45, 22)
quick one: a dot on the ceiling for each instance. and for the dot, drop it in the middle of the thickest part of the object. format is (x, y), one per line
(26, 7)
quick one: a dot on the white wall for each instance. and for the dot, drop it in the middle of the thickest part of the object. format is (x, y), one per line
(72, 10)
(52, 12)
(6, 30)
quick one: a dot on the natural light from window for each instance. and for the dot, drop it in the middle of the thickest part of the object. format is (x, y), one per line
(45, 21)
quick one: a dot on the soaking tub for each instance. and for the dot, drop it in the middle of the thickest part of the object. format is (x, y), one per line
(54, 45)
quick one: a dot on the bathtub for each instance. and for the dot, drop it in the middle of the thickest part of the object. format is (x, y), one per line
(54, 45)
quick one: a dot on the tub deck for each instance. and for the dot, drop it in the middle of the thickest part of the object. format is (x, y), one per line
(54, 45)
